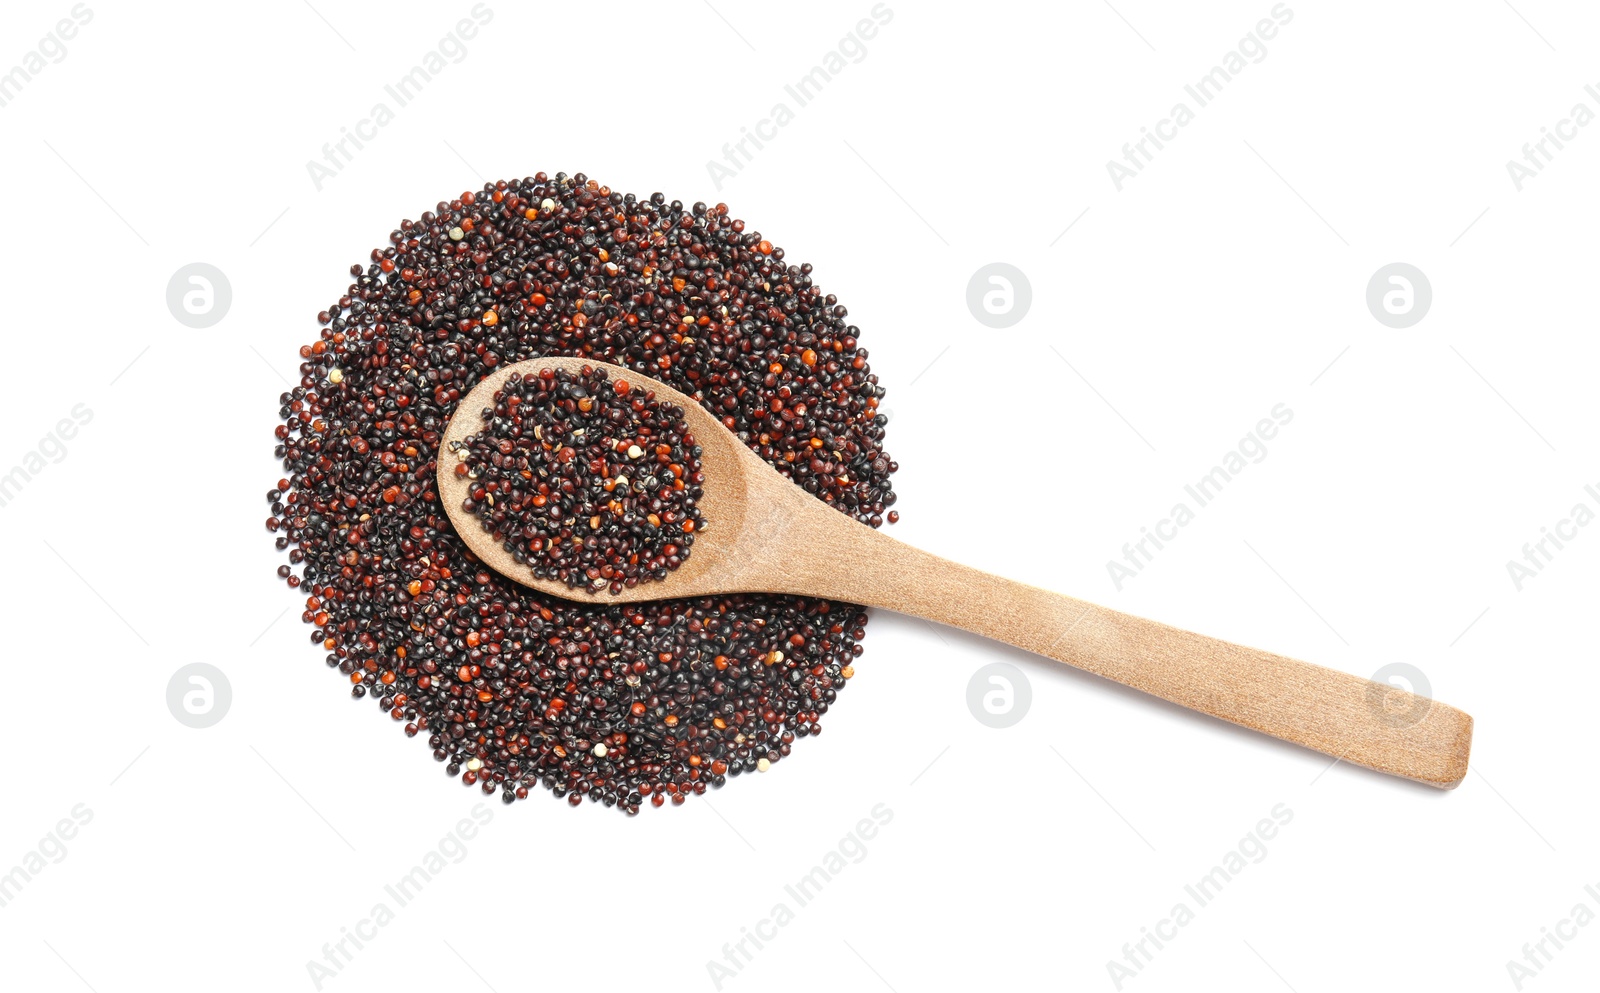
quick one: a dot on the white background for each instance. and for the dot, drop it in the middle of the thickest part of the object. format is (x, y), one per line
(1228, 277)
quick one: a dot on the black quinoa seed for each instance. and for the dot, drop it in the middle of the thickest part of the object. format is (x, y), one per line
(625, 704)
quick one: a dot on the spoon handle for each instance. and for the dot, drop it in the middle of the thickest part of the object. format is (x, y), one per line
(1358, 720)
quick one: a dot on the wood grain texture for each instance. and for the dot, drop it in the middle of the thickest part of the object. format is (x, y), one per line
(763, 534)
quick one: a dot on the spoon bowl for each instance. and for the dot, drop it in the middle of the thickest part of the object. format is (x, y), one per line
(764, 534)
(736, 481)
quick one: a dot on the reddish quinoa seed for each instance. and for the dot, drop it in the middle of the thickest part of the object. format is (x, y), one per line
(623, 704)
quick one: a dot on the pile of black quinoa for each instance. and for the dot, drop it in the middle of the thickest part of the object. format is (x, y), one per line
(587, 481)
(620, 703)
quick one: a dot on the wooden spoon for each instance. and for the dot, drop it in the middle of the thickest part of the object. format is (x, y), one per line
(764, 534)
